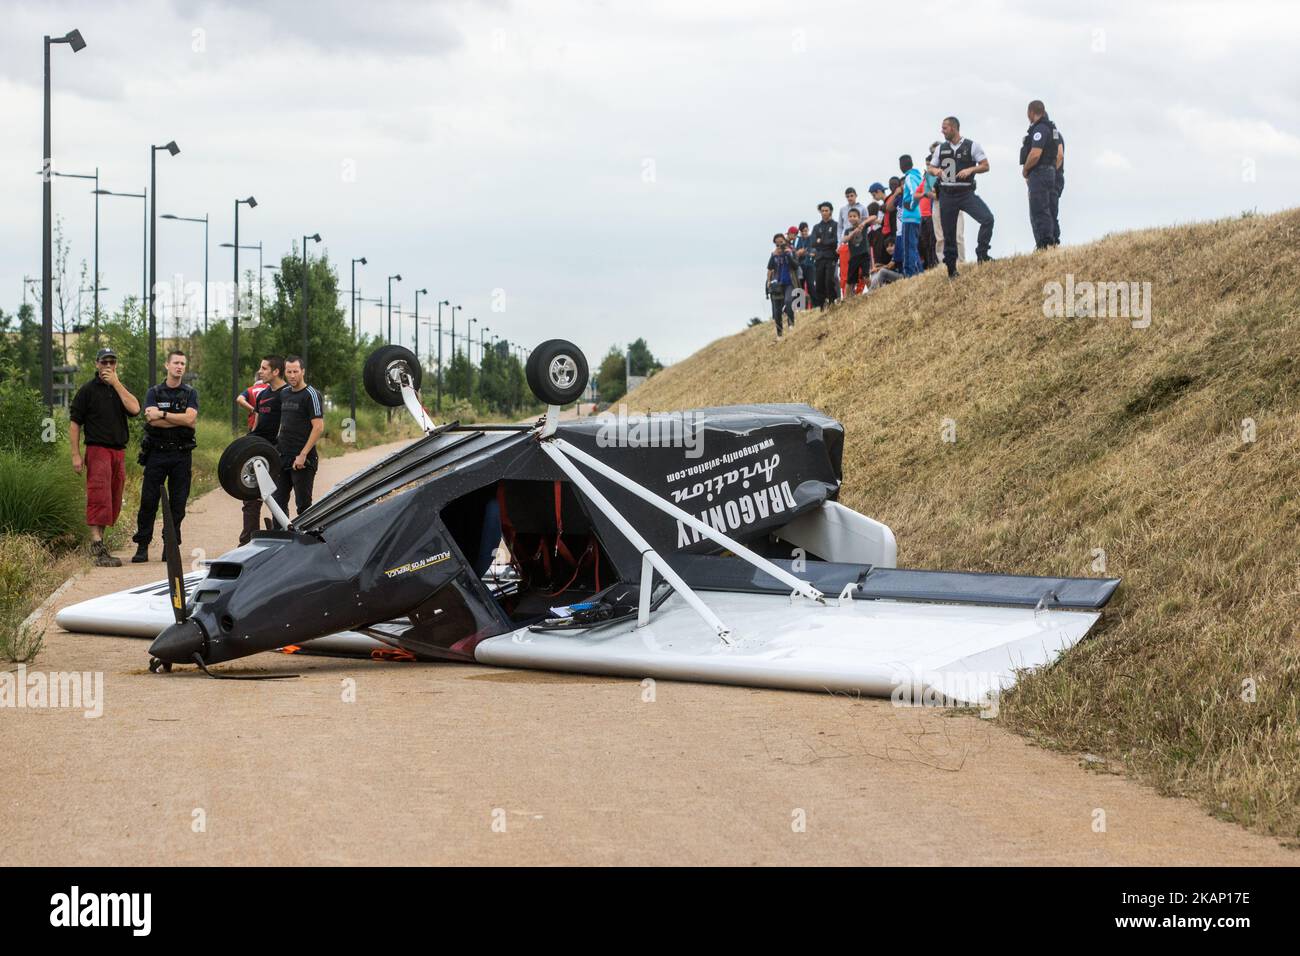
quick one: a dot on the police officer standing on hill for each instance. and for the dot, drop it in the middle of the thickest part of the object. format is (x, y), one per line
(1038, 160)
(957, 162)
(170, 411)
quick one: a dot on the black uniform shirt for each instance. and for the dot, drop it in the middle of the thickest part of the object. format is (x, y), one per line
(297, 409)
(1040, 136)
(174, 401)
(99, 411)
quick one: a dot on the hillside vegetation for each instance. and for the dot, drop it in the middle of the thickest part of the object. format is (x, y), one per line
(1167, 455)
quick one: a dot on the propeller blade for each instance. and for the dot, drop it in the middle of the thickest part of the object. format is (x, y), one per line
(172, 554)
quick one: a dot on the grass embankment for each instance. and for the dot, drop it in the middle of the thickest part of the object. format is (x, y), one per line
(1165, 455)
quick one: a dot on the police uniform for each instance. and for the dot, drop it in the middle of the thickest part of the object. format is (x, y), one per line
(1041, 180)
(165, 454)
(1060, 184)
(958, 196)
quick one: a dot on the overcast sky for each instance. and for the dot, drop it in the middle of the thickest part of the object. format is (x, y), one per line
(616, 169)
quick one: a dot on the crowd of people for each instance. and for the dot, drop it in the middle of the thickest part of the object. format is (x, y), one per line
(894, 235)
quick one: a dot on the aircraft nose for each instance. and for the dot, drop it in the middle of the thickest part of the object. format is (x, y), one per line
(179, 643)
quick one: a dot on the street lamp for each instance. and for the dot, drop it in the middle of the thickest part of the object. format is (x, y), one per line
(315, 237)
(143, 196)
(418, 293)
(482, 357)
(74, 40)
(398, 277)
(173, 149)
(251, 203)
(204, 220)
(352, 374)
(441, 303)
(454, 310)
(250, 247)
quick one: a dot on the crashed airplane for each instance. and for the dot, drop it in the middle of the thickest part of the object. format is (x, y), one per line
(721, 555)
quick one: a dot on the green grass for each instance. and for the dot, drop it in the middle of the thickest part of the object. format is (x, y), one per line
(41, 499)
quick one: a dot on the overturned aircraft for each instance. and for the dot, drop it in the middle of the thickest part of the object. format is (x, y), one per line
(706, 545)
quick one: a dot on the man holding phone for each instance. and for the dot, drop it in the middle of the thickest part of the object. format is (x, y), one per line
(100, 410)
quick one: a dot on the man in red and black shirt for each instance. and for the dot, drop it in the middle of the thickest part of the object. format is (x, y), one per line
(100, 409)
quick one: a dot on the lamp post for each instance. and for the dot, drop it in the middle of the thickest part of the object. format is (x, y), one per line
(441, 303)
(251, 202)
(74, 40)
(204, 220)
(482, 359)
(454, 310)
(418, 293)
(398, 277)
(173, 149)
(352, 374)
(315, 237)
(143, 195)
(250, 247)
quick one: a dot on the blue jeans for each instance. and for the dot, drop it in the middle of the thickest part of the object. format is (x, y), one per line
(909, 256)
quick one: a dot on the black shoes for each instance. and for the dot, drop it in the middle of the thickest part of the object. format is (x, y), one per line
(141, 554)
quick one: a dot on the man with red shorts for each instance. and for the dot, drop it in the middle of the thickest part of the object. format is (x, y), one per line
(100, 410)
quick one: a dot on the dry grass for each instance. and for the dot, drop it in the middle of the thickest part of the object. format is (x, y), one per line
(1083, 434)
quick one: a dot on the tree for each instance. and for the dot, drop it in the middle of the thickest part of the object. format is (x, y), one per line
(329, 335)
(611, 378)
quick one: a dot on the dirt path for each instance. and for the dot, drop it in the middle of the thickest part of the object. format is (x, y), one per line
(580, 769)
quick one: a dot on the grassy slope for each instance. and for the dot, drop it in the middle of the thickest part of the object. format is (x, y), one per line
(1082, 434)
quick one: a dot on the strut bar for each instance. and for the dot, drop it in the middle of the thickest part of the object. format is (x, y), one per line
(736, 548)
(648, 554)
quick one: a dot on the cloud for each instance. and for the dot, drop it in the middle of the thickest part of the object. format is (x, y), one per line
(1110, 159)
(1238, 135)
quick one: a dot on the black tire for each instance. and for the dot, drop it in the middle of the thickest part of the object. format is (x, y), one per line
(382, 370)
(557, 372)
(235, 469)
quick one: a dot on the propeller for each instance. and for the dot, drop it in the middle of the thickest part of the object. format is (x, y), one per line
(185, 638)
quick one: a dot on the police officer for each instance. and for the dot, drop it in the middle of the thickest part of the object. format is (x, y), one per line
(957, 162)
(1038, 161)
(1060, 182)
(170, 410)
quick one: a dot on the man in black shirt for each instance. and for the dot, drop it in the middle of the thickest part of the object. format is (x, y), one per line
(170, 411)
(100, 409)
(1038, 159)
(266, 424)
(302, 420)
(826, 255)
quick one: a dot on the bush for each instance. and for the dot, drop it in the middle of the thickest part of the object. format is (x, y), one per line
(23, 559)
(40, 500)
(23, 426)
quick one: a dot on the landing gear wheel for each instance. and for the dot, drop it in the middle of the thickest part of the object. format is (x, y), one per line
(557, 372)
(156, 665)
(384, 372)
(235, 469)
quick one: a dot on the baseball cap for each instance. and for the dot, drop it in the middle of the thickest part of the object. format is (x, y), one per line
(876, 187)
(105, 353)
(792, 231)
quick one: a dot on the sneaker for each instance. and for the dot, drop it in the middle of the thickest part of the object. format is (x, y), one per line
(953, 273)
(141, 555)
(99, 551)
